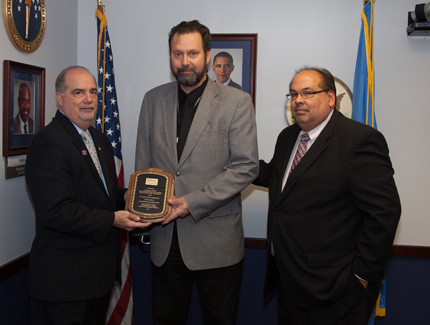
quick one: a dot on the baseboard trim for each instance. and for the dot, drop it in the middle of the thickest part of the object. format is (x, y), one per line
(410, 251)
(14, 266)
(255, 243)
(22, 262)
(396, 250)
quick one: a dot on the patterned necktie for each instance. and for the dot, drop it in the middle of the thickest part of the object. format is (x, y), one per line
(92, 150)
(301, 150)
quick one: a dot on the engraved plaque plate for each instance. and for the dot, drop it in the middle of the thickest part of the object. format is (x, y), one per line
(148, 192)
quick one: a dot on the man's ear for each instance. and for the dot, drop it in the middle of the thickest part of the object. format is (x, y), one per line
(59, 99)
(208, 57)
(332, 98)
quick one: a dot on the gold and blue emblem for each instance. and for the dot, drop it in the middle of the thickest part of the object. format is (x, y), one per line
(25, 23)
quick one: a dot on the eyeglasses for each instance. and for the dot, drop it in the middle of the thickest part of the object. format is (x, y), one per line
(305, 94)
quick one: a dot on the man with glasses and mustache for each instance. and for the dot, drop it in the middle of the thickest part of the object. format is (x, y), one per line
(204, 134)
(333, 210)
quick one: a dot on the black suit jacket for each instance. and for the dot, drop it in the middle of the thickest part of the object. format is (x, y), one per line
(234, 85)
(76, 252)
(337, 214)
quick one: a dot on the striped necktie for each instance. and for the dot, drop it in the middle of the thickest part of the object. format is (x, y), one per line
(301, 150)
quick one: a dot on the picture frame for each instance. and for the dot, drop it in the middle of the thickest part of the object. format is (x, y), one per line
(23, 99)
(243, 49)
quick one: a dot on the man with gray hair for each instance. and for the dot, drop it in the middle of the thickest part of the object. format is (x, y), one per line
(70, 172)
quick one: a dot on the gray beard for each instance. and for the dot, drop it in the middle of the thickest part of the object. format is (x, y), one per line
(186, 80)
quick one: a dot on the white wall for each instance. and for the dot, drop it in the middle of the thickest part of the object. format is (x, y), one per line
(58, 50)
(290, 34)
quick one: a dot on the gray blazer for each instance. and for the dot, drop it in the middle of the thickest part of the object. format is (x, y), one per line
(219, 160)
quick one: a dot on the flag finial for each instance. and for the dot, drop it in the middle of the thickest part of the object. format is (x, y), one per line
(100, 5)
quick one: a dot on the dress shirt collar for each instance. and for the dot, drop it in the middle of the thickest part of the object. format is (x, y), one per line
(76, 127)
(314, 133)
(22, 123)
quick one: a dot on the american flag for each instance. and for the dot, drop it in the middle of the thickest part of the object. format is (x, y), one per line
(121, 305)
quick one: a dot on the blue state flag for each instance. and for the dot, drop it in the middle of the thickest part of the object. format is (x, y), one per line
(363, 102)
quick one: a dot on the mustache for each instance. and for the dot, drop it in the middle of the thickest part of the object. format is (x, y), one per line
(87, 106)
(186, 68)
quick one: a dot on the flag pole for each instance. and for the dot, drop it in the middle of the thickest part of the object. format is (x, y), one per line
(120, 309)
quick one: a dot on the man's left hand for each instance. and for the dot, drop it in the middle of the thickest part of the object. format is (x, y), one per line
(179, 209)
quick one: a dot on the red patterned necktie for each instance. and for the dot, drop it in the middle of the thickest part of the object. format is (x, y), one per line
(301, 150)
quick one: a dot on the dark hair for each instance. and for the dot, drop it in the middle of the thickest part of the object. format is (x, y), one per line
(223, 55)
(327, 79)
(21, 88)
(187, 27)
(60, 82)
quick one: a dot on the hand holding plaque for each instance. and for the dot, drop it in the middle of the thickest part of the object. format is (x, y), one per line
(148, 192)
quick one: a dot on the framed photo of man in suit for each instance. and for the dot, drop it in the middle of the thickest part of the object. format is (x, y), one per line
(23, 121)
(234, 61)
(226, 67)
(23, 105)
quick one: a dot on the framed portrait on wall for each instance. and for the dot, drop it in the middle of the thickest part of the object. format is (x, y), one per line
(234, 61)
(23, 105)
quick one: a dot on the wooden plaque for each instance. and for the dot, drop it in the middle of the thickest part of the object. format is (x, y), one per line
(148, 192)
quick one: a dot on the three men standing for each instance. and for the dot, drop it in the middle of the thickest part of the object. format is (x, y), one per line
(333, 203)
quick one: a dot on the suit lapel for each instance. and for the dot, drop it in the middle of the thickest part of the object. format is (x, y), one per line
(312, 155)
(80, 145)
(207, 105)
(289, 146)
(168, 107)
(103, 162)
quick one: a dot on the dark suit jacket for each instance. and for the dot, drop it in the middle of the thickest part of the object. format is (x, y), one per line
(337, 214)
(75, 254)
(234, 84)
(17, 125)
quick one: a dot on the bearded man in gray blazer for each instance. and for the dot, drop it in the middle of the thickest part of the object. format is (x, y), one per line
(204, 134)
